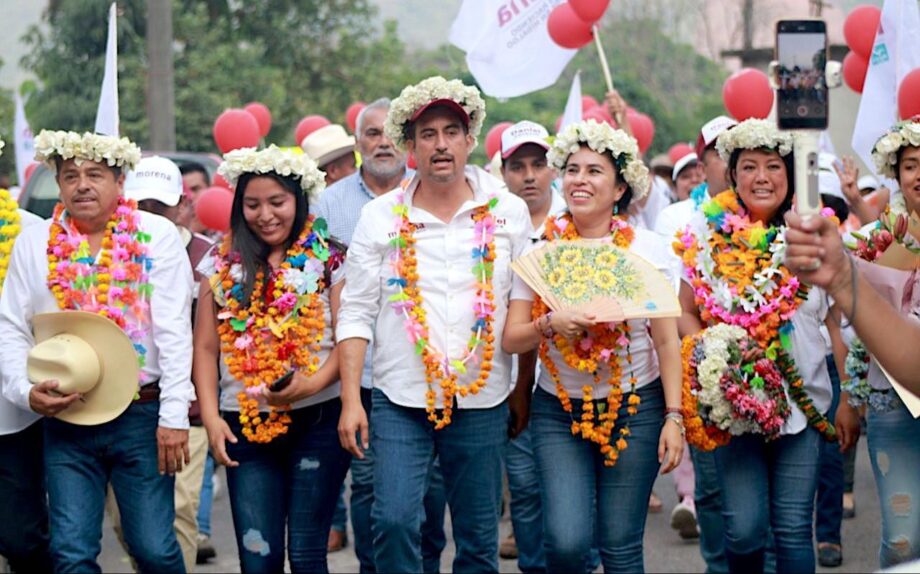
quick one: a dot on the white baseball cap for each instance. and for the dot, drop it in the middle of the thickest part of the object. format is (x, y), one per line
(521, 133)
(712, 130)
(683, 162)
(867, 182)
(156, 178)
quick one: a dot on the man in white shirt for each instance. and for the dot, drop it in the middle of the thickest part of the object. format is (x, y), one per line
(676, 216)
(139, 451)
(441, 381)
(24, 513)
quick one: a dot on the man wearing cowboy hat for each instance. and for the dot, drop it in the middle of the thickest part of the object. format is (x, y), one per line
(333, 150)
(24, 513)
(112, 371)
(437, 392)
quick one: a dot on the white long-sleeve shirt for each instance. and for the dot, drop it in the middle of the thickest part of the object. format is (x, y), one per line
(169, 334)
(447, 285)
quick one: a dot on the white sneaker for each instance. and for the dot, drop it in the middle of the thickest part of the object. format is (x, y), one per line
(683, 520)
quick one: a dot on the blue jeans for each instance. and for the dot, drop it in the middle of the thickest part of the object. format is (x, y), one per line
(362, 497)
(708, 499)
(80, 461)
(829, 504)
(470, 453)
(340, 518)
(769, 485)
(290, 482)
(206, 499)
(526, 509)
(576, 482)
(895, 457)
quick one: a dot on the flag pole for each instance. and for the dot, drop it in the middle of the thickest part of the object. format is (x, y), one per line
(600, 53)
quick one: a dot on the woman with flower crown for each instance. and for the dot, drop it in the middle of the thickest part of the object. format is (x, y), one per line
(604, 386)
(264, 334)
(735, 281)
(892, 430)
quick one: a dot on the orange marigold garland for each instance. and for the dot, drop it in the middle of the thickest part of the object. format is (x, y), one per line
(599, 346)
(280, 329)
(735, 267)
(407, 302)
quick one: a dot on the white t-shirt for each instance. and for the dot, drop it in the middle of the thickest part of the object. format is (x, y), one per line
(655, 250)
(230, 386)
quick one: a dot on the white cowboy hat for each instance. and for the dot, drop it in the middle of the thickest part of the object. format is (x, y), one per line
(88, 354)
(328, 143)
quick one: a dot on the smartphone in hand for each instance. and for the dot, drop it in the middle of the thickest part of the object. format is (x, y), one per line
(282, 382)
(801, 52)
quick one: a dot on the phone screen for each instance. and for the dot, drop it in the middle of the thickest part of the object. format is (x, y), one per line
(801, 52)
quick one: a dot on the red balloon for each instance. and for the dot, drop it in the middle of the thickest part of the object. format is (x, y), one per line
(747, 94)
(909, 95)
(679, 150)
(567, 29)
(589, 11)
(410, 162)
(308, 125)
(213, 208)
(219, 181)
(860, 27)
(599, 114)
(643, 128)
(351, 115)
(587, 102)
(854, 71)
(236, 128)
(30, 169)
(494, 138)
(262, 115)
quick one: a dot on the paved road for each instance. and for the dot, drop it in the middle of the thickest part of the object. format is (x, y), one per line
(664, 551)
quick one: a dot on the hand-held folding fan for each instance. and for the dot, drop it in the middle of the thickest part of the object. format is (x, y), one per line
(600, 279)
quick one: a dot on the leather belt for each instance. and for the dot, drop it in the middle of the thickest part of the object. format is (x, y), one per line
(148, 393)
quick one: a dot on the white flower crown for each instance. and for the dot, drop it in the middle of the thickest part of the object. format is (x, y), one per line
(885, 151)
(603, 138)
(111, 150)
(428, 90)
(753, 134)
(274, 159)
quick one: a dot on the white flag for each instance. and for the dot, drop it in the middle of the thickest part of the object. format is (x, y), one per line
(507, 45)
(895, 53)
(573, 109)
(22, 141)
(107, 113)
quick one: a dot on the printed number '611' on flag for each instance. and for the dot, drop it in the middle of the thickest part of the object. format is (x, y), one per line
(507, 45)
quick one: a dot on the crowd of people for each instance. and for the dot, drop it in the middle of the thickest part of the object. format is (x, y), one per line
(364, 317)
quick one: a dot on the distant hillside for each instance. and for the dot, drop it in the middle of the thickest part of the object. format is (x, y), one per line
(422, 23)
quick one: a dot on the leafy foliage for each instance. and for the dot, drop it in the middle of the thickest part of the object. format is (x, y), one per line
(303, 57)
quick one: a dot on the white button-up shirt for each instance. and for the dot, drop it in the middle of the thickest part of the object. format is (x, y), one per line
(169, 334)
(447, 285)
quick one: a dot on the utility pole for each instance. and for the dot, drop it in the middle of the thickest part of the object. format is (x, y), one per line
(747, 22)
(161, 92)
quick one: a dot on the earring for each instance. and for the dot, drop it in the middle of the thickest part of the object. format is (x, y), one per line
(616, 209)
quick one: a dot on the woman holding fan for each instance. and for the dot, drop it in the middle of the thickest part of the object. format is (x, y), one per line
(264, 334)
(756, 383)
(603, 386)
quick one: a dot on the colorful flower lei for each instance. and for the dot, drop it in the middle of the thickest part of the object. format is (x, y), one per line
(9, 230)
(115, 283)
(734, 388)
(736, 271)
(600, 345)
(281, 328)
(407, 302)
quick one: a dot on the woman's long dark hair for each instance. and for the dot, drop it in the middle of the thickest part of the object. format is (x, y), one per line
(786, 205)
(253, 251)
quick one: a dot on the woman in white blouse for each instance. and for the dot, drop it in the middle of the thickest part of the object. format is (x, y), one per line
(581, 439)
(766, 485)
(264, 336)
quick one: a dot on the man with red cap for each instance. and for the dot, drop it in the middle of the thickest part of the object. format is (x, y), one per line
(437, 252)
